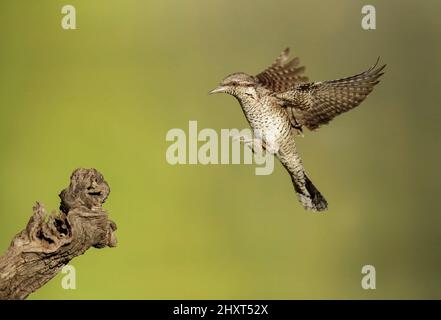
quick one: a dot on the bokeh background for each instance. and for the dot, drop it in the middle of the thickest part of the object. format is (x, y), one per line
(106, 94)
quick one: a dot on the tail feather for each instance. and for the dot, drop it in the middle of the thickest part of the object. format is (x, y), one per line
(309, 196)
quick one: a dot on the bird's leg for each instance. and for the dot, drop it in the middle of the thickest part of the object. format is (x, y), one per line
(255, 144)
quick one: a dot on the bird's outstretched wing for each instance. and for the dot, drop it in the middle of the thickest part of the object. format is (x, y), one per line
(283, 74)
(315, 104)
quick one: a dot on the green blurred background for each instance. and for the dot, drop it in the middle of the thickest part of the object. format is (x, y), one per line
(106, 94)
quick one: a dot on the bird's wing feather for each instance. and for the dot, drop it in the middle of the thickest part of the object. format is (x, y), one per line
(315, 104)
(283, 74)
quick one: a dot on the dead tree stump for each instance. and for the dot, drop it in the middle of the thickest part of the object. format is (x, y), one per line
(49, 242)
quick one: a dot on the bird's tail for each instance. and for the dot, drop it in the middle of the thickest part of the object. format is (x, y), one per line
(309, 196)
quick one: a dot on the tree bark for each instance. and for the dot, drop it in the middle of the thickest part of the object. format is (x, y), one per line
(48, 243)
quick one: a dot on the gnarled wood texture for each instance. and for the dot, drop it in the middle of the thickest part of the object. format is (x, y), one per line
(48, 243)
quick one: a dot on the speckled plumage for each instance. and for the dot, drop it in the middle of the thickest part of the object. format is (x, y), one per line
(278, 103)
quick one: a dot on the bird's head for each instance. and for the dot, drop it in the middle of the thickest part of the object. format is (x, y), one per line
(239, 85)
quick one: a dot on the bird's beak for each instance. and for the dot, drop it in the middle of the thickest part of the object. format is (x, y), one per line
(219, 89)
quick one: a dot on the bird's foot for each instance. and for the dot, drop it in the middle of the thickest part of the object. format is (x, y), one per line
(256, 145)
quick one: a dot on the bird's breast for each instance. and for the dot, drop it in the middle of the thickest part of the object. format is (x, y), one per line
(268, 120)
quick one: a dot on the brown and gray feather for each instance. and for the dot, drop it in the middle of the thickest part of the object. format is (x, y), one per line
(283, 74)
(315, 104)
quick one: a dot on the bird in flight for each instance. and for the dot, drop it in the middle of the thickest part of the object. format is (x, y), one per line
(279, 103)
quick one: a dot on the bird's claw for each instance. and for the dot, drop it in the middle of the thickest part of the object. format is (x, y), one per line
(253, 143)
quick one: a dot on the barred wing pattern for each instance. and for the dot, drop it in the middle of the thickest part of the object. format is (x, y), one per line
(283, 74)
(315, 104)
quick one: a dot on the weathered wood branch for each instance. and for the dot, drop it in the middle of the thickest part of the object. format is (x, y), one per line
(48, 243)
